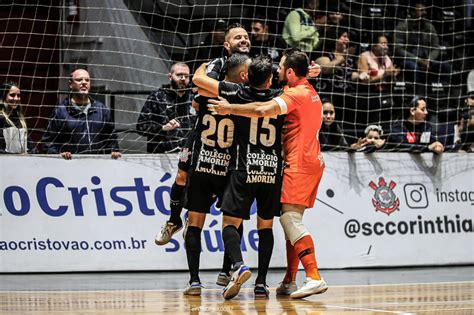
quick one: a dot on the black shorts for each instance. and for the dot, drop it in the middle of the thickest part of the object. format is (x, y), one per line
(185, 155)
(239, 196)
(202, 190)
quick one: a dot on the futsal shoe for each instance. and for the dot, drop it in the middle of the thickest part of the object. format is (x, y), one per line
(310, 287)
(193, 288)
(286, 288)
(261, 291)
(167, 232)
(238, 278)
(223, 279)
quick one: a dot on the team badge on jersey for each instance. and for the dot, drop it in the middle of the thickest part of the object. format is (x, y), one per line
(184, 155)
(384, 199)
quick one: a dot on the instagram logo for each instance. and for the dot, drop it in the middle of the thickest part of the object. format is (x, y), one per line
(416, 196)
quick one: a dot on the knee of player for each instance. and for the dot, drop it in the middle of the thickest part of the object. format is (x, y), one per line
(181, 177)
(292, 223)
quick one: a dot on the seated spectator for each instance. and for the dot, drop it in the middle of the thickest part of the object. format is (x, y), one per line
(300, 28)
(337, 65)
(265, 44)
(333, 19)
(417, 46)
(331, 137)
(80, 124)
(375, 66)
(14, 132)
(372, 141)
(414, 134)
(166, 118)
(467, 125)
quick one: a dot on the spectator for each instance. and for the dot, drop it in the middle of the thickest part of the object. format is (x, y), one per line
(212, 45)
(460, 134)
(417, 46)
(332, 19)
(14, 132)
(300, 30)
(414, 134)
(265, 44)
(166, 117)
(331, 136)
(80, 124)
(466, 126)
(337, 65)
(372, 141)
(375, 66)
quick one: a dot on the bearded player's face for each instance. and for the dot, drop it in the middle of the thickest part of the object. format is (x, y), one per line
(282, 79)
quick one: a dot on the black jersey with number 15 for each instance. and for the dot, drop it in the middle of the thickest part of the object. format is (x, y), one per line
(258, 147)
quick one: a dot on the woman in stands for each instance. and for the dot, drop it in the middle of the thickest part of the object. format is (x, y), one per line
(331, 136)
(375, 66)
(13, 129)
(414, 133)
(337, 65)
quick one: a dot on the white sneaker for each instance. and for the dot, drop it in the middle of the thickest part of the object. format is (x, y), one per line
(223, 279)
(286, 288)
(310, 287)
(193, 288)
(236, 280)
(166, 233)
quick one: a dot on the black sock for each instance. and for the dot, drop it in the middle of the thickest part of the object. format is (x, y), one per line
(265, 250)
(227, 263)
(193, 252)
(176, 203)
(231, 238)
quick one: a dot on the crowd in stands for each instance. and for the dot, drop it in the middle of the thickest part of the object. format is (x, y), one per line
(353, 71)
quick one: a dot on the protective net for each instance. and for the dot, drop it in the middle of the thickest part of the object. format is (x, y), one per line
(375, 57)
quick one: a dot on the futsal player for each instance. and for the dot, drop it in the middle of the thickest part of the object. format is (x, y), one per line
(208, 174)
(304, 165)
(256, 169)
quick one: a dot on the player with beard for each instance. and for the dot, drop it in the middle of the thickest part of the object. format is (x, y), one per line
(303, 170)
(236, 41)
(256, 167)
(207, 178)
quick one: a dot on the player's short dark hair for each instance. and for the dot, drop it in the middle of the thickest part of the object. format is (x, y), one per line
(260, 69)
(232, 26)
(296, 60)
(235, 61)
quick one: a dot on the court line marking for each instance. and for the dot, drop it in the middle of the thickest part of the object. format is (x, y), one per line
(243, 289)
(363, 309)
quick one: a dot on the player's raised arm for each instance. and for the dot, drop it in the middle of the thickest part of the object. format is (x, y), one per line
(203, 82)
(255, 109)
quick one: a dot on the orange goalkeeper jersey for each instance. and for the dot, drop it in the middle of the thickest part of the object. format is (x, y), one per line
(303, 109)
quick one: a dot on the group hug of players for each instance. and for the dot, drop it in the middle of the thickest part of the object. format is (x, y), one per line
(251, 142)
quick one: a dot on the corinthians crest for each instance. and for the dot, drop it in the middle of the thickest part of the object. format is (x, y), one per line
(384, 199)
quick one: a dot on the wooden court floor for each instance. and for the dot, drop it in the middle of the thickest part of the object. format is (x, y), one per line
(447, 297)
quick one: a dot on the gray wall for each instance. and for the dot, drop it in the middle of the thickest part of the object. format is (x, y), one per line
(119, 57)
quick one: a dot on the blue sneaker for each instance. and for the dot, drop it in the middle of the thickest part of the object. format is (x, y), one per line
(238, 278)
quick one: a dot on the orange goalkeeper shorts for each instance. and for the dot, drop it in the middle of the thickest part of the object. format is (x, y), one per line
(301, 189)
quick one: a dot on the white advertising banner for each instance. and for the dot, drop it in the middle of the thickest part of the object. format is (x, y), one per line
(93, 213)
